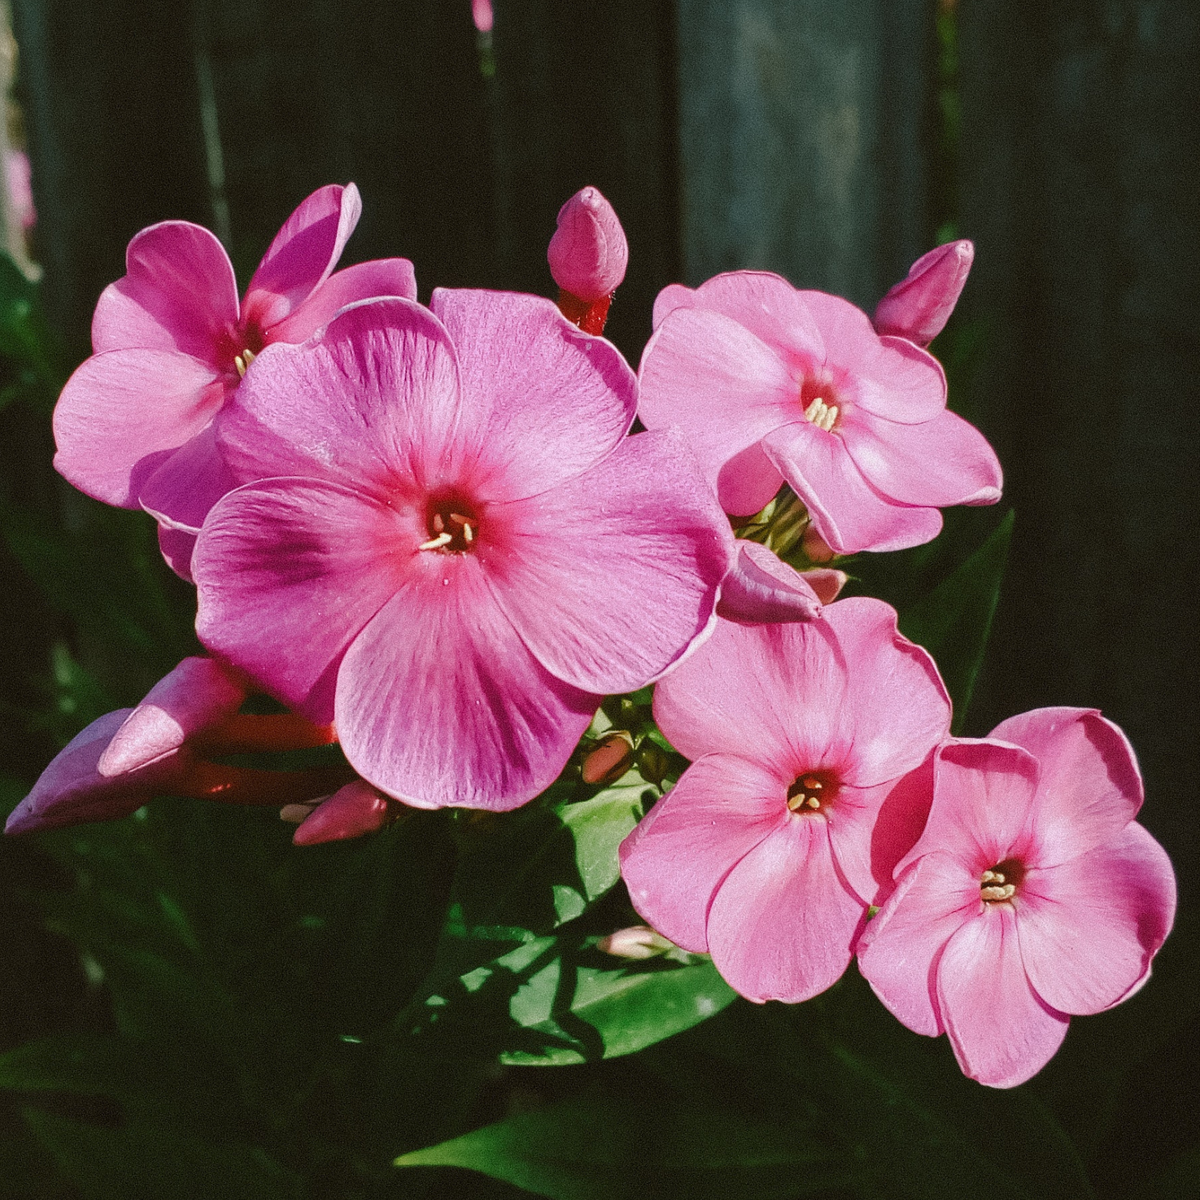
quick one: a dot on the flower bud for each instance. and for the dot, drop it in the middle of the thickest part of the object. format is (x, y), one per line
(653, 762)
(609, 760)
(762, 589)
(919, 306)
(350, 812)
(826, 582)
(638, 941)
(588, 252)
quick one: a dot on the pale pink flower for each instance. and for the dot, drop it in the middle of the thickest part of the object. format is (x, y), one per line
(811, 745)
(1032, 894)
(461, 550)
(127, 757)
(919, 306)
(172, 342)
(771, 384)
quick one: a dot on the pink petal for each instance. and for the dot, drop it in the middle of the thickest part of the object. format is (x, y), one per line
(184, 488)
(288, 571)
(380, 277)
(763, 589)
(847, 512)
(303, 254)
(176, 547)
(673, 862)
(770, 308)
(1090, 785)
(898, 709)
(782, 923)
(121, 414)
(1001, 1032)
(374, 402)
(919, 306)
(724, 387)
(525, 368)
(748, 481)
(178, 293)
(826, 583)
(939, 462)
(440, 703)
(673, 296)
(611, 577)
(350, 812)
(899, 950)
(1090, 926)
(197, 694)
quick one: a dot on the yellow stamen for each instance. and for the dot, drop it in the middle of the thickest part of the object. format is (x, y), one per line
(442, 539)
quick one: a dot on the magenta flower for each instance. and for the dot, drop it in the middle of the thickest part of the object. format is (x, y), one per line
(807, 787)
(1032, 895)
(171, 341)
(771, 384)
(919, 306)
(461, 549)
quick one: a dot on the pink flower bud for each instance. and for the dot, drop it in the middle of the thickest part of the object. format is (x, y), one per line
(919, 306)
(609, 760)
(588, 252)
(638, 941)
(826, 582)
(762, 589)
(350, 812)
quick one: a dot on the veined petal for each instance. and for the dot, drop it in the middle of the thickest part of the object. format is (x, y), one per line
(673, 296)
(673, 862)
(365, 281)
(761, 589)
(1001, 1032)
(899, 950)
(1089, 926)
(612, 576)
(846, 511)
(545, 402)
(302, 255)
(288, 571)
(178, 293)
(938, 462)
(122, 413)
(439, 702)
(1090, 786)
(184, 488)
(782, 923)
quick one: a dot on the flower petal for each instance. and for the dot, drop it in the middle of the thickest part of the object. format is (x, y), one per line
(899, 950)
(1090, 786)
(1090, 926)
(302, 255)
(610, 578)
(1001, 1032)
(761, 589)
(846, 511)
(288, 571)
(122, 413)
(178, 293)
(177, 546)
(365, 281)
(184, 488)
(673, 862)
(769, 307)
(782, 923)
(524, 367)
(938, 462)
(440, 703)
(919, 306)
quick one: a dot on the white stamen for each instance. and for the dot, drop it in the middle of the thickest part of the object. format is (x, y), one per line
(438, 524)
(987, 877)
(241, 366)
(831, 416)
(442, 539)
(468, 534)
(998, 893)
(248, 356)
(813, 802)
(814, 410)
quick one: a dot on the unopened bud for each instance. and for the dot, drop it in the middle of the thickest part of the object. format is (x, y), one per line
(588, 253)
(826, 582)
(919, 306)
(350, 812)
(638, 941)
(762, 589)
(815, 547)
(609, 760)
(653, 763)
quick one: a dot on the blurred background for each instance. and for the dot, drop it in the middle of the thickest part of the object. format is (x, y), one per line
(833, 141)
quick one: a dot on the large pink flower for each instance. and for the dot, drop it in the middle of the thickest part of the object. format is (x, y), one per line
(172, 343)
(810, 782)
(771, 384)
(461, 549)
(1032, 894)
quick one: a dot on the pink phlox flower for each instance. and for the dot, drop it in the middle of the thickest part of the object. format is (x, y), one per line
(127, 757)
(919, 306)
(811, 746)
(454, 549)
(762, 589)
(1032, 895)
(588, 255)
(770, 384)
(172, 342)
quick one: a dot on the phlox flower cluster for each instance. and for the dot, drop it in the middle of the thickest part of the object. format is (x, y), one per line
(428, 531)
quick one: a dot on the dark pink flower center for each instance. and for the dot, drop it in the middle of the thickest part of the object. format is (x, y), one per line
(819, 399)
(242, 346)
(452, 523)
(1000, 883)
(812, 792)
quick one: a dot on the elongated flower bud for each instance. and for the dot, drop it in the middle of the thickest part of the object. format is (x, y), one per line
(919, 306)
(636, 942)
(588, 255)
(350, 812)
(609, 760)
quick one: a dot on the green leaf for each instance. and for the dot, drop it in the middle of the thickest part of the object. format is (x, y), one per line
(82, 1063)
(954, 620)
(595, 1148)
